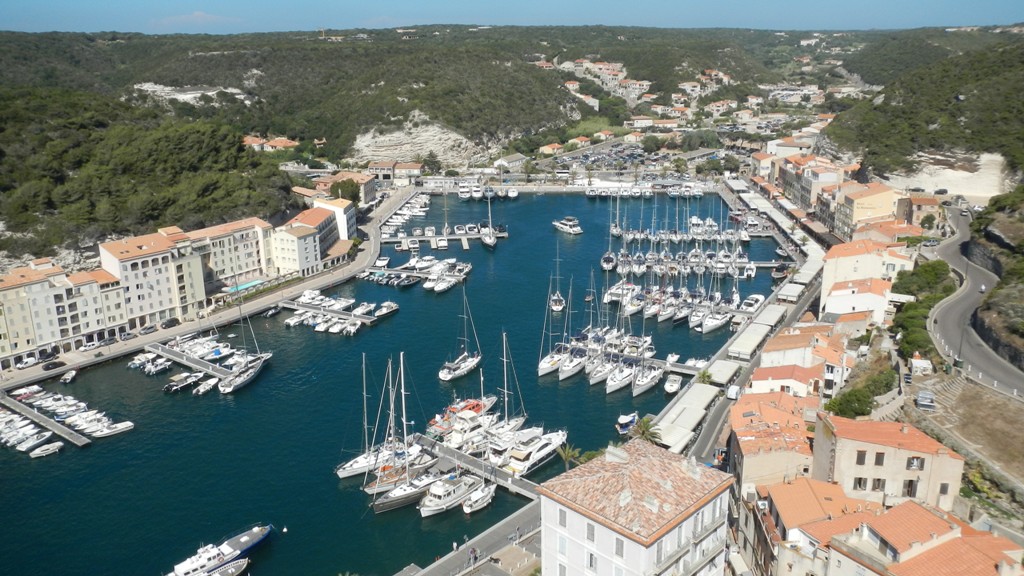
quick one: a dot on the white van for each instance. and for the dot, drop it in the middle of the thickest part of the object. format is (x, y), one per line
(733, 392)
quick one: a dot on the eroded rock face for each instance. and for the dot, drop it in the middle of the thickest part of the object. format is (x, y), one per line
(417, 138)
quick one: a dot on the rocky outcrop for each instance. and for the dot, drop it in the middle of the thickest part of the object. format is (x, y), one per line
(417, 137)
(988, 327)
(985, 256)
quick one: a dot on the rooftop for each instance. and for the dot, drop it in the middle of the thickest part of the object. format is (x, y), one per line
(639, 490)
(893, 434)
(805, 500)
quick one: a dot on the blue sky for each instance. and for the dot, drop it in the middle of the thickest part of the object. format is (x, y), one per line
(234, 16)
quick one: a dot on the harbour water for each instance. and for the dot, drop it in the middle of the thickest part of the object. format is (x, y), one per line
(197, 468)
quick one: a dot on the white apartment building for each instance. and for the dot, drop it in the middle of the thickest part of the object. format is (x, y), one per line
(234, 252)
(344, 216)
(862, 259)
(297, 250)
(160, 274)
(638, 511)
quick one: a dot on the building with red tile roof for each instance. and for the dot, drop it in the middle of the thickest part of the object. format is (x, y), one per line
(863, 259)
(887, 231)
(770, 437)
(792, 379)
(640, 508)
(886, 462)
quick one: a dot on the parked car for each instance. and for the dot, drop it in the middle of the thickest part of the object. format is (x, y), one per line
(53, 365)
(27, 362)
(50, 354)
(88, 346)
(147, 329)
(907, 377)
(170, 323)
(107, 341)
(941, 191)
(128, 336)
(930, 242)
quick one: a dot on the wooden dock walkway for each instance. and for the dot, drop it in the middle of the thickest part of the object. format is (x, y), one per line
(403, 242)
(502, 478)
(339, 314)
(48, 423)
(193, 363)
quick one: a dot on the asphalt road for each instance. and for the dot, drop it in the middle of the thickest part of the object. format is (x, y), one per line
(951, 318)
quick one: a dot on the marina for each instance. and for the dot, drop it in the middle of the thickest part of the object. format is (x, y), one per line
(311, 395)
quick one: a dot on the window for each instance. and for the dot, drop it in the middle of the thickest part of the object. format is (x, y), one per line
(619, 571)
(561, 518)
(591, 561)
(862, 456)
(910, 488)
(590, 532)
(879, 458)
(561, 570)
(620, 545)
(915, 463)
(878, 485)
(562, 544)
(944, 488)
(860, 483)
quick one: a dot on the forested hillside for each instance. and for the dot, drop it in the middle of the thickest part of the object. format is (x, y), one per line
(967, 102)
(75, 167)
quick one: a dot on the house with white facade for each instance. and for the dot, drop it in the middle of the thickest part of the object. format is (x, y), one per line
(863, 259)
(638, 510)
(885, 462)
(871, 295)
(234, 252)
(344, 216)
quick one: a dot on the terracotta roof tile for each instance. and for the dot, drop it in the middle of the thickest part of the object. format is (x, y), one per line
(228, 228)
(643, 497)
(788, 372)
(805, 500)
(907, 523)
(894, 434)
(857, 248)
(138, 246)
(954, 558)
(312, 217)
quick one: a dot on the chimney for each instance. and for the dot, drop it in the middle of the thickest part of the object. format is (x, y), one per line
(905, 429)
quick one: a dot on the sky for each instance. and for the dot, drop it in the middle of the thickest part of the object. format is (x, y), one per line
(239, 16)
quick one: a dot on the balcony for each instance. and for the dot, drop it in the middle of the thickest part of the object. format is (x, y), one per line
(710, 527)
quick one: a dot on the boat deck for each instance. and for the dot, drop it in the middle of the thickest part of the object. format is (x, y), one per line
(48, 423)
(194, 363)
(502, 478)
(339, 314)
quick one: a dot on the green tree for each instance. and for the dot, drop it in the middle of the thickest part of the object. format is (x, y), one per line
(432, 163)
(347, 189)
(650, 144)
(645, 430)
(529, 169)
(928, 222)
(569, 454)
(704, 377)
(731, 163)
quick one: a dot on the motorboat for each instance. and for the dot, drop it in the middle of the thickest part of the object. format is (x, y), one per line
(442, 243)
(205, 386)
(446, 494)
(500, 446)
(526, 458)
(219, 352)
(626, 422)
(68, 377)
(751, 303)
(408, 492)
(46, 450)
(364, 308)
(513, 193)
(479, 498)
(569, 225)
(386, 309)
(33, 441)
(212, 557)
(673, 383)
(441, 424)
(111, 429)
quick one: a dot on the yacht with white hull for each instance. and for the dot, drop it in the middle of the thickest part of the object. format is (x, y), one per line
(446, 494)
(212, 557)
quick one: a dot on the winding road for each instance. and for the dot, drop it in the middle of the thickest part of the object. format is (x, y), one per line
(950, 321)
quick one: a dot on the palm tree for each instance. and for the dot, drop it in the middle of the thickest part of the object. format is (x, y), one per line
(704, 377)
(644, 430)
(570, 454)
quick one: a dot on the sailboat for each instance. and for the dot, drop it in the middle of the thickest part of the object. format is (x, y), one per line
(466, 360)
(250, 366)
(608, 261)
(487, 236)
(556, 352)
(555, 300)
(372, 455)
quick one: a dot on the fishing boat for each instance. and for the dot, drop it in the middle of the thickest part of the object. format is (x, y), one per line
(68, 377)
(211, 557)
(446, 494)
(466, 360)
(569, 225)
(46, 450)
(479, 498)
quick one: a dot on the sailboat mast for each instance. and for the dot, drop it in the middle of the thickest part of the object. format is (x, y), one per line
(366, 424)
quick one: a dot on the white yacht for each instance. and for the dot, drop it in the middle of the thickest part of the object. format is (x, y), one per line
(446, 494)
(526, 458)
(46, 449)
(752, 303)
(569, 225)
(479, 498)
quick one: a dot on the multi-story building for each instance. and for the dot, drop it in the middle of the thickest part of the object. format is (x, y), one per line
(871, 295)
(770, 438)
(367, 184)
(297, 251)
(863, 203)
(161, 275)
(791, 379)
(885, 462)
(234, 252)
(44, 309)
(638, 510)
(887, 231)
(863, 259)
(344, 216)
(809, 346)
(914, 209)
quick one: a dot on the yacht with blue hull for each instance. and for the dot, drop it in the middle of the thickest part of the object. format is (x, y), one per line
(211, 557)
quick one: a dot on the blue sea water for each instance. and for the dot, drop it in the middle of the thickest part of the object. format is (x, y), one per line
(198, 468)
